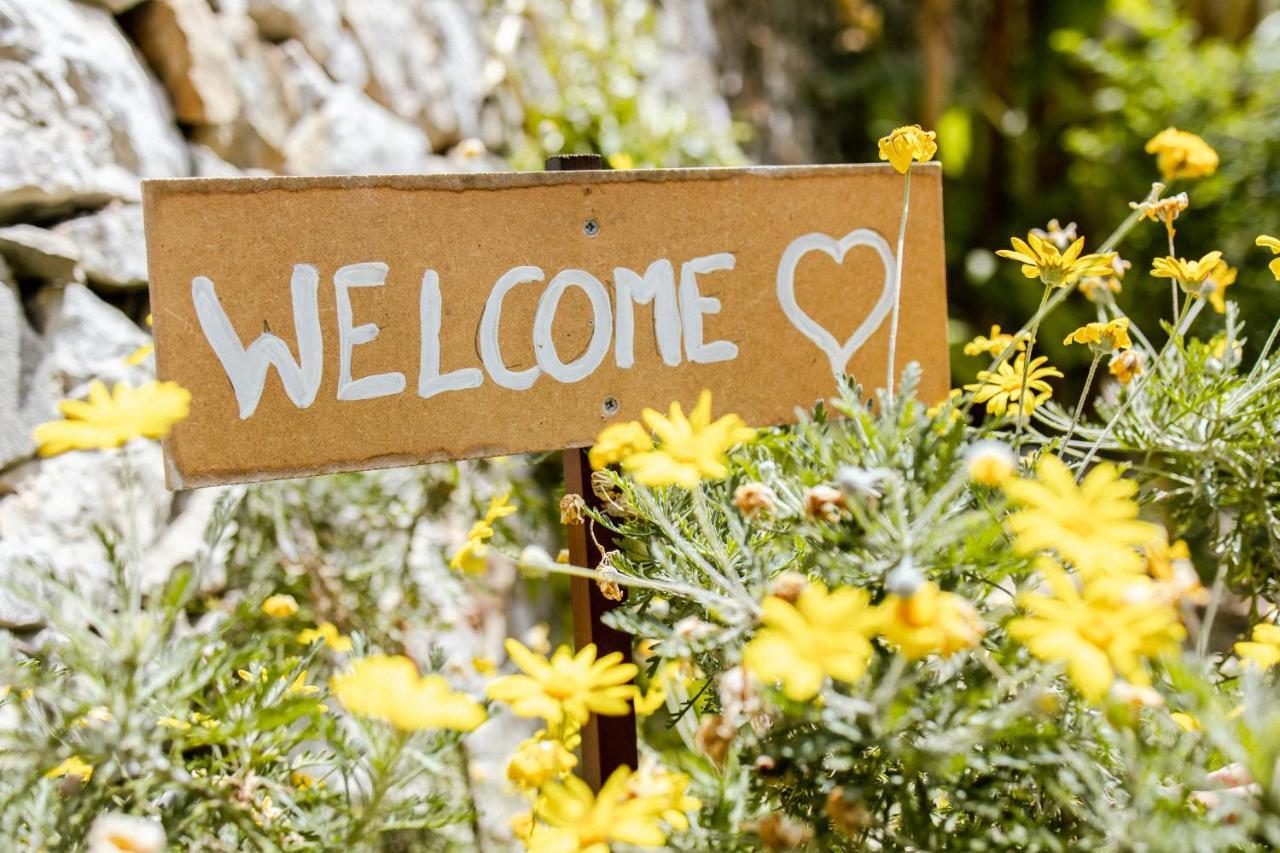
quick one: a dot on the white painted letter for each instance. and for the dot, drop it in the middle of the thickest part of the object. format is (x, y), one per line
(372, 274)
(659, 287)
(430, 382)
(693, 305)
(490, 322)
(247, 368)
(602, 329)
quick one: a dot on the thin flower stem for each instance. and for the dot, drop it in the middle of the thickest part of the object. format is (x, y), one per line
(1187, 318)
(897, 282)
(1023, 414)
(1266, 348)
(1211, 611)
(1084, 395)
(1173, 283)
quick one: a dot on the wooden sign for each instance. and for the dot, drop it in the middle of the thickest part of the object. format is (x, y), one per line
(339, 324)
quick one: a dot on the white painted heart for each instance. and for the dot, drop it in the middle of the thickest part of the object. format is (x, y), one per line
(839, 354)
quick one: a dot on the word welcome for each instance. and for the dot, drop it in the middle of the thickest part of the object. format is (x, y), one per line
(678, 311)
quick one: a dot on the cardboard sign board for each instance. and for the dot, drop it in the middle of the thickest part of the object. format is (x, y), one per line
(340, 324)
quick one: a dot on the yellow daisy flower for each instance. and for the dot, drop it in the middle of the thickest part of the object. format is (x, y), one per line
(1102, 338)
(328, 632)
(389, 688)
(1107, 629)
(931, 621)
(822, 635)
(995, 343)
(1041, 259)
(280, 606)
(567, 687)
(1180, 154)
(110, 419)
(666, 790)
(692, 449)
(1220, 278)
(539, 760)
(1190, 275)
(1093, 525)
(573, 820)
(908, 143)
(1002, 389)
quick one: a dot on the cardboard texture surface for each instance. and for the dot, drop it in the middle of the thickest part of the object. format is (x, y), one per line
(259, 245)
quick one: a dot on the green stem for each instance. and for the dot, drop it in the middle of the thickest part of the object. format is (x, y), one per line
(897, 281)
(1084, 395)
(1023, 414)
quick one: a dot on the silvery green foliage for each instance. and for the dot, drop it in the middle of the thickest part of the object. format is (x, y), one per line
(986, 750)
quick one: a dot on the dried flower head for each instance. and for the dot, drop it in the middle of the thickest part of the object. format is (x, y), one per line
(1125, 365)
(754, 500)
(824, 503)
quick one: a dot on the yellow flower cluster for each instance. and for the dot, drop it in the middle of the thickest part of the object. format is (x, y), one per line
(907, 144)
(470, 558)
(1263, 647)
(1003, 389)
(632, 808)
(1180, 154)
(1041, 258)
(329, 633)
(280, 606)
(691, 449)
(828, 634)
(389, 688)
(109, 419)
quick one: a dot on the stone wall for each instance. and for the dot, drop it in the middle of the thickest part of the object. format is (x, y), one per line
(95, 97)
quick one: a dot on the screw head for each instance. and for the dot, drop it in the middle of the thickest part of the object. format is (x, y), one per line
(591, 228)
(610, 406)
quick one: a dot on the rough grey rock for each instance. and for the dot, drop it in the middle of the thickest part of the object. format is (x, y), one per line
(111, 245)
(50, 517)
(81, 119)
(34, 252)
(351, 134)
(184, 42)
(85, 339)
(406, 53)
(317, 24)
(306, 86)
(20, 351)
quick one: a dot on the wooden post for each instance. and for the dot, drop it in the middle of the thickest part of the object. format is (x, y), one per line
(607, 742)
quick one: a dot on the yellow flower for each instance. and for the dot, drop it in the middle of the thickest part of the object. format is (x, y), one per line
(908, 143)
(328, 632)
(1273, 244)
(1107, 629)
(823, 634)
(389, 688)
(573, 820)
(667, 790)
(1125, 365)
(1002, 389)
(110, 419)
(1190, 275)
(990, 462)
(1171, 568)
(1263, 649)
(1102, 338)
(72, 766)
(540, 760)
(995, 344)
(931, 621)
(953, 413)
(173, 723)
(483, 665)
(1180, 154)
(1041, 259)
(567, 687)
(618, 441)
(280, 606)
(1093, 525)
(1186, 722)
(692, 449)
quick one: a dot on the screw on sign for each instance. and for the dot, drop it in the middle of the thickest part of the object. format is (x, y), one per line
(415, 319)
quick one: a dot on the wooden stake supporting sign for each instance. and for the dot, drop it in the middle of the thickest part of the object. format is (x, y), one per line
(343, 324)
